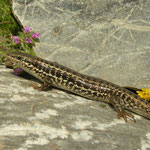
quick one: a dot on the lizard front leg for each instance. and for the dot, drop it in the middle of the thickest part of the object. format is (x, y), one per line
(41, 87)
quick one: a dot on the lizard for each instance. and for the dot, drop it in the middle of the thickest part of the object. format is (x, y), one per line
(52, 74)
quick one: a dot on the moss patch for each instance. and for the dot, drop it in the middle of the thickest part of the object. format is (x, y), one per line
(8, 24)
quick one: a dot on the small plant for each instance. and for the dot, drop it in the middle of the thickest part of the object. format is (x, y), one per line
(8, 22)
(23, 42)
(144, 94)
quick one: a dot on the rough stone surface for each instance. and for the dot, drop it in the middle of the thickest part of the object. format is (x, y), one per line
(57, 120)
(102, 38)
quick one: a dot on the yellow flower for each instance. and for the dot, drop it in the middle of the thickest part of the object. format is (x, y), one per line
(145, 94)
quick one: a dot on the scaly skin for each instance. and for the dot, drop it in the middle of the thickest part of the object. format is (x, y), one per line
(53, 74)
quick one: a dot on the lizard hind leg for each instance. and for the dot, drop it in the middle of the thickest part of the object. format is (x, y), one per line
(121, 112)
(126, 115)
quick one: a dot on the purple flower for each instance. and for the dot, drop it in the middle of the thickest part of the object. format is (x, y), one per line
(35, 35)
(27, 40)
(16, 39)
(18, 71)
(27, 29)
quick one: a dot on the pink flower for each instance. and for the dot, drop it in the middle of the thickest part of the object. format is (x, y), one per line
(27, 40)
(27, 29)
(18, 71)
(35, 35)
(16, 39)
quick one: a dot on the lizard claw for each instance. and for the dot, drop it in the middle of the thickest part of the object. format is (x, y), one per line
(40, 87)
(36, 86)
(125, 115)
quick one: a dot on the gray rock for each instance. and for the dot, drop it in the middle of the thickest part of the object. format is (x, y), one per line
(57, 120)
(105, 39)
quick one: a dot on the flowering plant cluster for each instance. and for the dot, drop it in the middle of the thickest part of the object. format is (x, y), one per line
(28, 36)
(145, 94)
(23, 42)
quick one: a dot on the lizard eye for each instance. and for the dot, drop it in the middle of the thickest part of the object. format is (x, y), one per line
(19, 58)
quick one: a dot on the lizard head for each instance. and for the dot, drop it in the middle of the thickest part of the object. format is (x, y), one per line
(15, 57)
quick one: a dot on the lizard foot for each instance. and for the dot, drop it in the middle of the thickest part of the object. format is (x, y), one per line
(36, 86)
(40, 87)
(125, 115)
